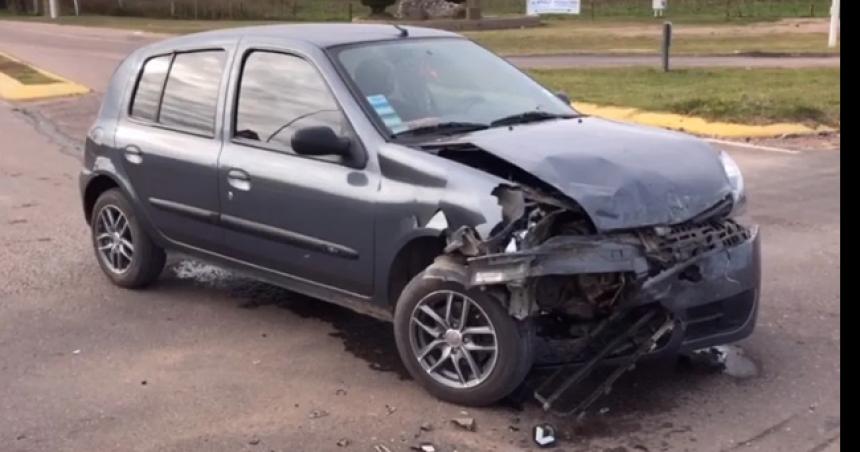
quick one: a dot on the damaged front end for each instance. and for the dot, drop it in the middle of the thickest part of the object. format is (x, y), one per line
(613, 296)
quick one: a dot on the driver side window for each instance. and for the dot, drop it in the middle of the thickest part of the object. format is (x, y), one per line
(280, 94)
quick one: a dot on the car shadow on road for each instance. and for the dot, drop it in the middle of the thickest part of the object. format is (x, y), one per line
(366, 338)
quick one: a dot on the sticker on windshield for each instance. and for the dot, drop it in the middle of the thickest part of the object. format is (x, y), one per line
(386, 112)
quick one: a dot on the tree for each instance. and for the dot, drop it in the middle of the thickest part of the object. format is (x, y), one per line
(431, 9)
(377, 7)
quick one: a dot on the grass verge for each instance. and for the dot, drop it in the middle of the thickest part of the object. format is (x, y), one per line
(749, 96)
(23, 73)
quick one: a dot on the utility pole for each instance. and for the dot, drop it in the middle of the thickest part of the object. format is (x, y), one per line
(54, 9)
(834, 23)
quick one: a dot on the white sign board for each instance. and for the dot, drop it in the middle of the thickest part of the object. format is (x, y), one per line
(659, 4)
(536, 7)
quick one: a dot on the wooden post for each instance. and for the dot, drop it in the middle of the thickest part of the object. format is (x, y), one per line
(667, 44)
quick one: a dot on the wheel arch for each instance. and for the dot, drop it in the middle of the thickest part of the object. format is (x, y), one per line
(94, 188)
(417, 253)
(96, 183)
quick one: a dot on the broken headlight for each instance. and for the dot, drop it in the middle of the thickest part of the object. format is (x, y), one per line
(736, 179)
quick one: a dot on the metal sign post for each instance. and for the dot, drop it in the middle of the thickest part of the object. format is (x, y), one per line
(834, 23)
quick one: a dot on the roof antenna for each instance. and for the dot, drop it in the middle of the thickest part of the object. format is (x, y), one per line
(404, 33)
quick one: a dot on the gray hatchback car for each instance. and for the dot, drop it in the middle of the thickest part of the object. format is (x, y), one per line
(414, 176)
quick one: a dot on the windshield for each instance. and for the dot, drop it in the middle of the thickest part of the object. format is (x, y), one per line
(443, 86)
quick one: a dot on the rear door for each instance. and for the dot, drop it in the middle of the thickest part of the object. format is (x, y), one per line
(308, 217)
(169, 142)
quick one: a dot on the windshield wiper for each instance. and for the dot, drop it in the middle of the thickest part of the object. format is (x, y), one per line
(443, 128)
(529, 116)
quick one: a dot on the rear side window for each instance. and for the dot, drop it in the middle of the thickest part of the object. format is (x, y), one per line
(280, 94)
(148, 95)
(191, 93)
(189, 98)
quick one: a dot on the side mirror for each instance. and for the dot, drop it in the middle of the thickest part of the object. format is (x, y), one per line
(563, 96)
(319, 141)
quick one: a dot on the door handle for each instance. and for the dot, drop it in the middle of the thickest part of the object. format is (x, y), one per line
(239, 179)
(133, 154)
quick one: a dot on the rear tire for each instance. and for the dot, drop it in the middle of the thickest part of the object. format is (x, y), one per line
(496, 377)
(124, 251)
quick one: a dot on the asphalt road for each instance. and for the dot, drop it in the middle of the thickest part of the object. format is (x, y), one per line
(205, 360)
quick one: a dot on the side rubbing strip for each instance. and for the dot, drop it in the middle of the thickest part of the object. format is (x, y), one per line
(290, 237)
(197, 213)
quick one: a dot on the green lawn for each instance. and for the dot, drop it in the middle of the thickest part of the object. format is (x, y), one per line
(755, 96)
(23, 73)
(645, 37)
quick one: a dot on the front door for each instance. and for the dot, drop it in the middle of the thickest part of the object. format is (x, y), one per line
(308, 217)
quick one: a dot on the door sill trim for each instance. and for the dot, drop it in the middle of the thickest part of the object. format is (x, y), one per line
(361, 304)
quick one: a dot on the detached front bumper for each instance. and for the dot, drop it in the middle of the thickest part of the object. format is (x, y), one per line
(720, 304)
(712, 292)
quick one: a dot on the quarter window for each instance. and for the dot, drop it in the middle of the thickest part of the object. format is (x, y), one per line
(148, 95)
(280, 94)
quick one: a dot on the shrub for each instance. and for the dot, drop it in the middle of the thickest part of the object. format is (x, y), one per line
(377, 7)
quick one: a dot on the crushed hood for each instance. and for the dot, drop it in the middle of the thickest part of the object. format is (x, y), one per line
(623, 175)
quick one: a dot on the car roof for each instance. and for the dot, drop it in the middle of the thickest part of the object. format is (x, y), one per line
(320, 35)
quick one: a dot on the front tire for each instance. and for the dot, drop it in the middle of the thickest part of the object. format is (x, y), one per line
(459, 343)
(125, 253)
